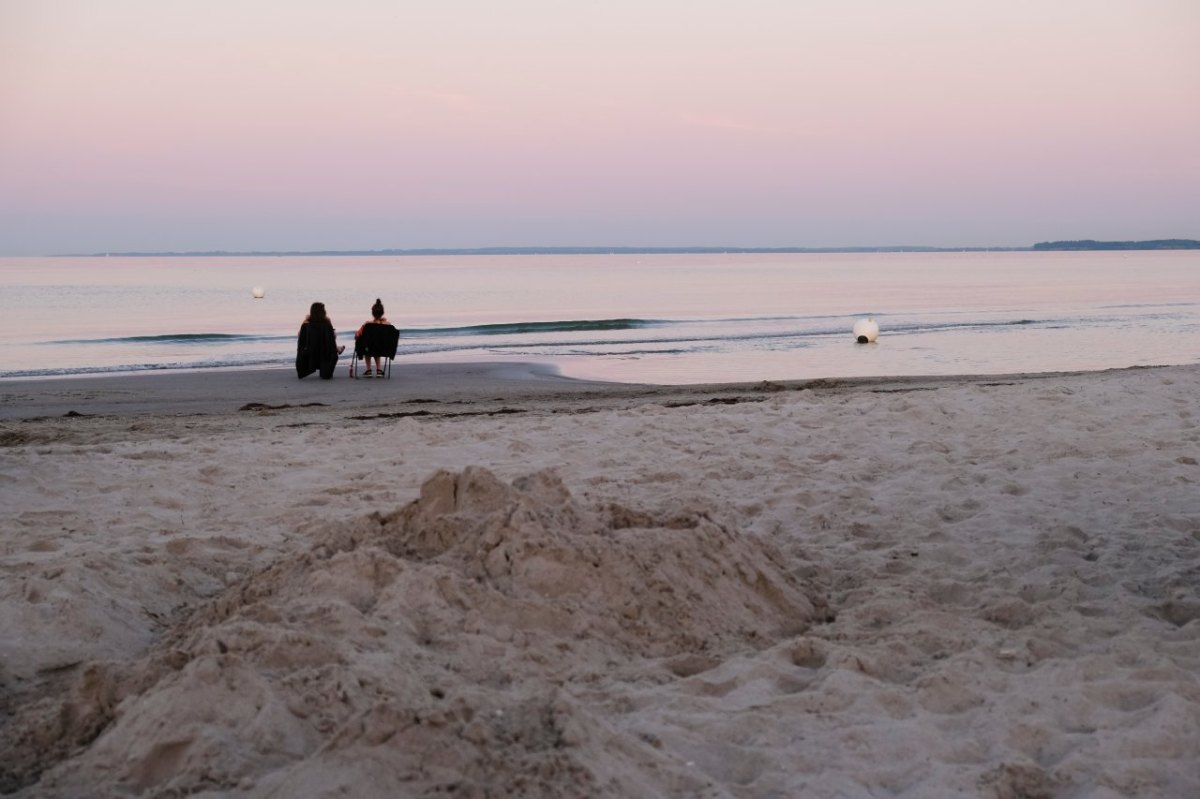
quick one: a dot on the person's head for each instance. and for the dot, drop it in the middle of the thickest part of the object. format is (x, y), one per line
(316, 314)
(377, 309)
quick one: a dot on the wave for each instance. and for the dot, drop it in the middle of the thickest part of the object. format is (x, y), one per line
(521, 328)
(498, 329)
(124, 368)
(1127, 306)
(695, 339)
(179, 338)
(570, 326)
(932, 327)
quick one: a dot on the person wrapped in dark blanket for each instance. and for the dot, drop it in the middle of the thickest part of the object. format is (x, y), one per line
(317, 349)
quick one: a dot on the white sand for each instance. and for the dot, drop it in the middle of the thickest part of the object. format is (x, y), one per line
(921, 588)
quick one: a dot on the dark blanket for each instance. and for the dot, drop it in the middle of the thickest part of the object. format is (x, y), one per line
(316, 350)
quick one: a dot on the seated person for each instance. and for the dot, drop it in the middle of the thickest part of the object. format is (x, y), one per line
(377, 318)
(316, 346)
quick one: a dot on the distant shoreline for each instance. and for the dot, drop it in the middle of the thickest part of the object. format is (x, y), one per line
(1089, 244)
(1082, 244)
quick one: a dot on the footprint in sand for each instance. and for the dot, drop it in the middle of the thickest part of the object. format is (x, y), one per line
(691, 665)
(44, 545)
(807, 654)
(1013, 613)
(958, 513)
(1177, 612)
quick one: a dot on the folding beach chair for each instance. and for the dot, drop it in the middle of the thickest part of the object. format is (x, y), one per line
(376, 341)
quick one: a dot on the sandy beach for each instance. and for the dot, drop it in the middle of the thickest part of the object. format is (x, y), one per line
(486, 580)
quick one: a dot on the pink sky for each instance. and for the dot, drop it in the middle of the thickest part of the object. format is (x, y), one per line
(273, 124)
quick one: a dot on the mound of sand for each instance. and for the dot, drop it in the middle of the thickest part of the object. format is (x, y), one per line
(453, 645)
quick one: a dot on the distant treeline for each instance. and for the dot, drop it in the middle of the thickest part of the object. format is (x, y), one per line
(1090, 244)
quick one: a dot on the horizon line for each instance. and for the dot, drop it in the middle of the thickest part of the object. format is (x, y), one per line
(530, 250)
(1073, 244)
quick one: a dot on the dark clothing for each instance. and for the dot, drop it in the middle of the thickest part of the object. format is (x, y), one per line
(376, 340)
(316, 350)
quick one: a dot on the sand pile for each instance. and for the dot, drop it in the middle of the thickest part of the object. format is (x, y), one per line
(449, 646)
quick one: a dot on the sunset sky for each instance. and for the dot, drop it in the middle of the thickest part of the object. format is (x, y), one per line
(364, 124)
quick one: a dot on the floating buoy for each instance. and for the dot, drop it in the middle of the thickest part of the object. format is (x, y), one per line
(259, 293)
(865, 331)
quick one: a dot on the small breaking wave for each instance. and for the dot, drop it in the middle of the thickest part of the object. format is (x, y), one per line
(179, 338)
(126, 368)
(522, 328)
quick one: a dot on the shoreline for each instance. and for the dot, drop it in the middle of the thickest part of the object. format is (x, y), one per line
(443, 384)
(214, 392)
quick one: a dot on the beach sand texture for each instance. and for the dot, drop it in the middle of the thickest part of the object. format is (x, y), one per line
(943, 587)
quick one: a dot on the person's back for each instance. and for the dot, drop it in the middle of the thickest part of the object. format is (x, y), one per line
(316, 344)
(377, 318)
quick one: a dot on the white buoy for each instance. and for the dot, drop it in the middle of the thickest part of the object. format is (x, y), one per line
(865, 331)
(259, 293)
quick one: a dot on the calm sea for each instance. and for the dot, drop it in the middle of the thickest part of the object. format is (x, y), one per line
(638, 318)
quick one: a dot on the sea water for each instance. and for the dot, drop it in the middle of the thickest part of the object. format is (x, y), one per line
(638, 318)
